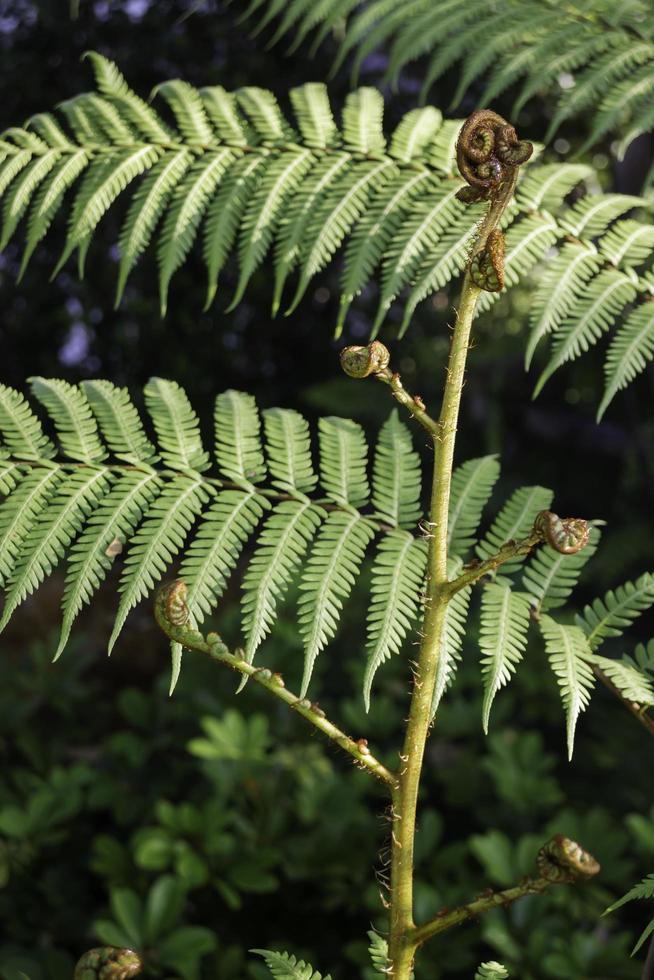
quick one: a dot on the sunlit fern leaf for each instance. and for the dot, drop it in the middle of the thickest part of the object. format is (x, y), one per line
(502, 639)
(222, 108)
(222, 533)
(644, 889)
(288, 448)
(594, 314)
(22, 433)
(265, 115)
(343, 455)
(548, 186)
(48, 538)
(237, 431)
(120, 423)
(314, 115)
(284, 966)
(113, 86)
(611, 614)
(396, 475)
(370, 238)
(454, 629)
(10, 474)
(189, 203)
(561, 287)
(327, 580)
(378, 950)
(472, 486)
(108, 529)
(70, 411)
(148, 206)
(514, 522)
(22, 189)
(492, 970)
(628, 244)
(569, 657)
(632, 683)
(592, 215)
(631, 350)
(643, 657)
(623, 101)
(336, 215)
(363, 113)
(415, 133)
(176, 425)
(159, 539)
(442, 152)
(188, 108)
(550, 577)
(224, 215)
(397, 581)
(21, 512)
(281, 546)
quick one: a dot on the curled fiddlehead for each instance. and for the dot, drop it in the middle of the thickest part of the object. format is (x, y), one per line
(563, 861)
(108, 963)
(567, 535)
(171, 602)
(361, 362)
(488, 154)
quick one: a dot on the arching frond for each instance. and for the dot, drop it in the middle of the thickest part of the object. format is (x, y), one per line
(502, 639)
(570, 658)
(233, 172)
(522, 45)
(610, 615)
(644, 889)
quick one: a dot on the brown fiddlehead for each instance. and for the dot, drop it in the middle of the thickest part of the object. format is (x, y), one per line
(488, 154)
(567, 535)
(108, 963)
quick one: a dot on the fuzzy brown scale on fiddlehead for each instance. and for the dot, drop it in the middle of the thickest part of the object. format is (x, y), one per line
(487, 265)
(108, 963)
(171, 600)
(567, 535)
(487, 152)
(563, 861)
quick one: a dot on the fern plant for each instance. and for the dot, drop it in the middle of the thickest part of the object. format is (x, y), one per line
(232, 172)
(90, 479)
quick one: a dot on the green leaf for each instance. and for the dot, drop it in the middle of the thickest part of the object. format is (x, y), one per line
(610, 615)
(396, 475)
(472, 486)
(284, 966)
(73, 419)
(515, 521)
(502, 639)
(550, 576)
(569, 657)
(176, 425)
(238, 437)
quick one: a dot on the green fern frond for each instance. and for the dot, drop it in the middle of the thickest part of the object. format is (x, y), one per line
(610, 615)
(643, 657)
(284, 966)
(632, 348)
(21, 512)
(570, 658)
(491, 971)
(70, 411)
(502, 639)
(176, 425)
(120, 423)
(288, 445)
(238, 437)
(396, 483)
(550, 577)
(21, 431)
(378, 950)
(343, 455)
(514, 521)
(397, 582)
(233, 172)
(472, 486)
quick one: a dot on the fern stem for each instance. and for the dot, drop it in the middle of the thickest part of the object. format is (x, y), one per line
(212, 645)
(472, 572)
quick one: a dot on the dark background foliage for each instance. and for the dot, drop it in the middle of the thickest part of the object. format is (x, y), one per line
(257, 834)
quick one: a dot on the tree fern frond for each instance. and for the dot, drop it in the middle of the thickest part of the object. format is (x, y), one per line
(592, 215)
(547, 187)
(327, 580)
(513, 522)
(20, 513)
(71, 413)
(120, 423)
(176, 425)
(610, 615)
(314, 115)
(629, 243)
(108, 529)
(594, 314)
(643, 657)
(502, 639)
(644, 889)
(188, 108)
(472, 486)
(237, 431)
(396, 475)
(633, 683)
(415, 133)
(569, 656)
(283, 966)
(48, 538)
(288, 447)
(631, 350)
(21, 431)
(159, 539)
(281, 546)
(21, 191)
(222, 108)
(550, 576)
(343, 454)
(265, 115)
(449, 657)
(397, 580)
